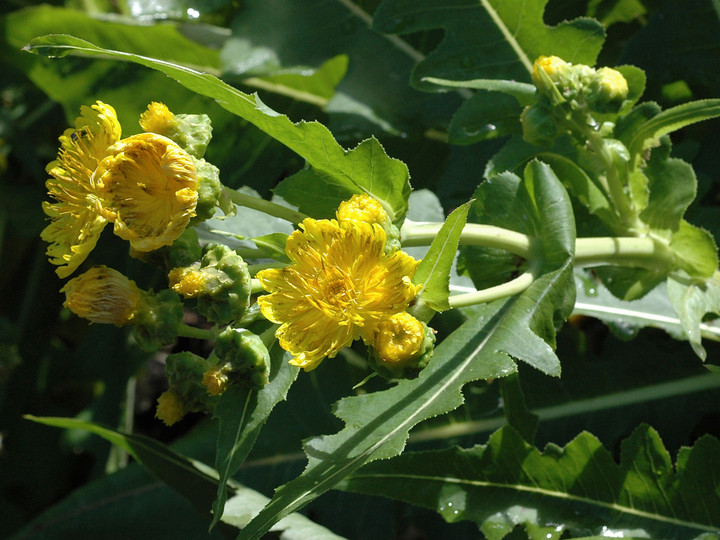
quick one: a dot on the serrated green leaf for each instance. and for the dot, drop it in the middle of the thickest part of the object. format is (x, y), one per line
(693, 300)
(355, 171)
(314, 85)
(488, 39)
(318, 194)
(695, 250)
(242, 412)
(377, 424)
(578, 489)
(433, 272)
(647, 134)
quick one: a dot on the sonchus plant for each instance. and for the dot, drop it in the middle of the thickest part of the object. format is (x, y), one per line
(585, 180)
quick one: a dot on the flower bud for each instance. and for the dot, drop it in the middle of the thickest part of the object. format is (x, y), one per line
(211, 193)
(246, 354)
(538, 125)
(103, 295)
(608, 90)
(368, 209)
(156, 325)
(185, 373)
(191, 131)
(220, 282)
(402, 345)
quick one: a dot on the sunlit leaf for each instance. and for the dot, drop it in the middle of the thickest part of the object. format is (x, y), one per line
(577, 489)
(311, 140)
(488, 39)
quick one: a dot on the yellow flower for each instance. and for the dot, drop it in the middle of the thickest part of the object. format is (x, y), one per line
(149, 189)
(339, 286)
(188, 282)
(553, 67)
(75, 223)
(363, 208)
(216, 379)
(158, 119)
(169, 408)
(103, 295)
(398, 339)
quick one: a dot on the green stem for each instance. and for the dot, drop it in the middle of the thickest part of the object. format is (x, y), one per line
(256, 287)
(644, 252)
(621, 199)
(422, 234)
(268, 207)
(513, 287)
(183, 330)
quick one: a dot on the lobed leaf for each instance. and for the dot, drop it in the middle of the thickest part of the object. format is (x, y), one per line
(353, 172)
(377, 424)
(578, 489)
(488, 39)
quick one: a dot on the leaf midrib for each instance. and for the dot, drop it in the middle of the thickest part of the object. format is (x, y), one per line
(539, 491)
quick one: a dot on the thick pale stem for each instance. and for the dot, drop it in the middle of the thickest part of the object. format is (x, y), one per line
(422, 234)
(511, 288)
(644, 252)
(268, 207)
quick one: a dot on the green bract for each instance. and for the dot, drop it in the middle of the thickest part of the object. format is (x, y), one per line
(246, 356)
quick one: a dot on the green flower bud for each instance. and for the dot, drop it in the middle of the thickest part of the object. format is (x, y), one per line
(191, 131)
(220, 282)
(211, 193)
(538, 125)
(187, 393)
(607, 90)
(244, 358)
(155, 326)
(401, 346)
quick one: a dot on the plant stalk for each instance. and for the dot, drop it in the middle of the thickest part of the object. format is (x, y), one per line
(268, 207)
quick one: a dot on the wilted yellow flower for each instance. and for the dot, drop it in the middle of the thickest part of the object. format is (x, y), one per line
(188, 282)
(149, 188)
(103, 295)
(75, 223)
(363, 208)
(399, 338)
(340, 285)
(216, 379)
(158, 119)
(169, 408)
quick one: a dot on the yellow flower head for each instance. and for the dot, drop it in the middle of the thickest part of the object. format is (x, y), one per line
(188, 282)
(103, 295)
(158, 119)
(363, 208)
(75, 223)
(339, 286)
(149, 187)
(216, 379)
(399, 338)
(169, 408)
(553, 66)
